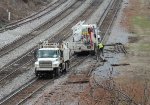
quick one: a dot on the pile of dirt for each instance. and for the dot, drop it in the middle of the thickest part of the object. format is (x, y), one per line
(19, 8)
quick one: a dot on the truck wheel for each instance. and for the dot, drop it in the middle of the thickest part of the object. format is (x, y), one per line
(57, 72)
(36, 73)
(51, 74)
(92, 53)
(66, 66)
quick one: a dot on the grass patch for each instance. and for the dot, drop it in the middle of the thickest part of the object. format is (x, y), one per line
(1, 24)
(144, 47)
(141, 24)
(140, 47)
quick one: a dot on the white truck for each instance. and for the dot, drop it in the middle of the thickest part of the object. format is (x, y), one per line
(52, 59)
(85, 37)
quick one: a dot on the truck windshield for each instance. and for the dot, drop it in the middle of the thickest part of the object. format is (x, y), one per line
(48, 54)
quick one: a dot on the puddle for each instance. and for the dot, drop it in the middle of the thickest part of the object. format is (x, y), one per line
(106, 71)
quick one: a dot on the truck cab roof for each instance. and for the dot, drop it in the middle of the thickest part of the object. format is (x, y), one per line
(49, 49)
(89, 25)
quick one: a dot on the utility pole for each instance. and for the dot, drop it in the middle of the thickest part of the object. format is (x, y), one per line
(8, 15)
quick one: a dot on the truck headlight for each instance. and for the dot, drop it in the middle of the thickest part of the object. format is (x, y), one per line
(36, 64)
(55, 65)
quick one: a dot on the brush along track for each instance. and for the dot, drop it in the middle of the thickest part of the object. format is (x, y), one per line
(15, 67)
(40, 29)
(26, 91)
(37, 15)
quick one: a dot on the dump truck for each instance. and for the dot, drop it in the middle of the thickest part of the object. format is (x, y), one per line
(52, 59)
(85, 37)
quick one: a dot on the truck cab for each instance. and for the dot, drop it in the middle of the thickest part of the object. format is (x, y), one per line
(52, 58)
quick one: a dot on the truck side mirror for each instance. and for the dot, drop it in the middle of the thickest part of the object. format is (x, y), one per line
(35, 53)
(61, 53)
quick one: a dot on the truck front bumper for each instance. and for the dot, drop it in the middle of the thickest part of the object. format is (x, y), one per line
(43, 69)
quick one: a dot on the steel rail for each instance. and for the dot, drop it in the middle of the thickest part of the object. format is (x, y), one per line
(104, 39)
(7, 75)
(119, 48)
(77, 63)
(18, 90)
(104, 14)
(67, 31)
(28, 96)
(109, 10)
(67, 35)
(40, 29)
(32, 17)
(22, 101)
(25, 92)
(6, 72)
(16, 61)
(84, 16)
(19, 60)
(52, 38)
(16, 68)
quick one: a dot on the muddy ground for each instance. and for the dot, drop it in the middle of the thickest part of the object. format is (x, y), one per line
(124, 78)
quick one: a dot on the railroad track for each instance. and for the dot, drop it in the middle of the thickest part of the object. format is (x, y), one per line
(22, 94)
(108, 21)
(40, 29)
(119, 48)
(37, 15)
(29, 55)
(62, 37)
(15, 67)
